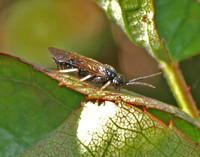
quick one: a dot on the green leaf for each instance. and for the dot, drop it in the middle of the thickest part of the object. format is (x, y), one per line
(31, 105)
(111, 130)
(33, 108)
(136, 18)
(178, 22)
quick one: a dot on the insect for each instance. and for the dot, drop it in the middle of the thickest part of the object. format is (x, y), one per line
(92, 70)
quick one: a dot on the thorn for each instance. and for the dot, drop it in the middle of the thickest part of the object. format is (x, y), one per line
(188, 88)
(171, 123)
(34, 68)
(62, 84)
(88, 97)
(145, 110)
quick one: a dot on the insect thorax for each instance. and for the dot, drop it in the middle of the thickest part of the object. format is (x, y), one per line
(116, 79)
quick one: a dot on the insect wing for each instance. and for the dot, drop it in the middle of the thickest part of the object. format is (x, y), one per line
(79, 61)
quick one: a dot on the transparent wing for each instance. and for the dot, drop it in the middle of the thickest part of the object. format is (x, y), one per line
(78, 61)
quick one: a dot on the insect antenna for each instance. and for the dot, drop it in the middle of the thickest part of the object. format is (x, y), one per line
(135, 81)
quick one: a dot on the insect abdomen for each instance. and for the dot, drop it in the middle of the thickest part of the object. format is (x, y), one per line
(63, 65)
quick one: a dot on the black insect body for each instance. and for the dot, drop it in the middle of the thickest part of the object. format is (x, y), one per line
(92, 70)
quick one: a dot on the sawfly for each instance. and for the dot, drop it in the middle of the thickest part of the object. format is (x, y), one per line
(92, 71)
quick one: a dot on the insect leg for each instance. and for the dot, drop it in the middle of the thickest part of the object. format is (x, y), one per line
(68, 70)
(86, 78)
(104, 86)
(83, 79)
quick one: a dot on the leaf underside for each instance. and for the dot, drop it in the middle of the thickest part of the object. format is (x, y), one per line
(173, 32)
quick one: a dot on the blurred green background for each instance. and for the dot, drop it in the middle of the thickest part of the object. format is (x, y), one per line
(28, 28)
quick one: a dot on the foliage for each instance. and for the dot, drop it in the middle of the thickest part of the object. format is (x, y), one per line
(40, 118)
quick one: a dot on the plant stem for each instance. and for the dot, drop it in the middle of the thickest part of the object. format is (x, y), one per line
(180, 89)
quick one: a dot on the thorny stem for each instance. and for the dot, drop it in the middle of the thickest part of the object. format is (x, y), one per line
(180, 89)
